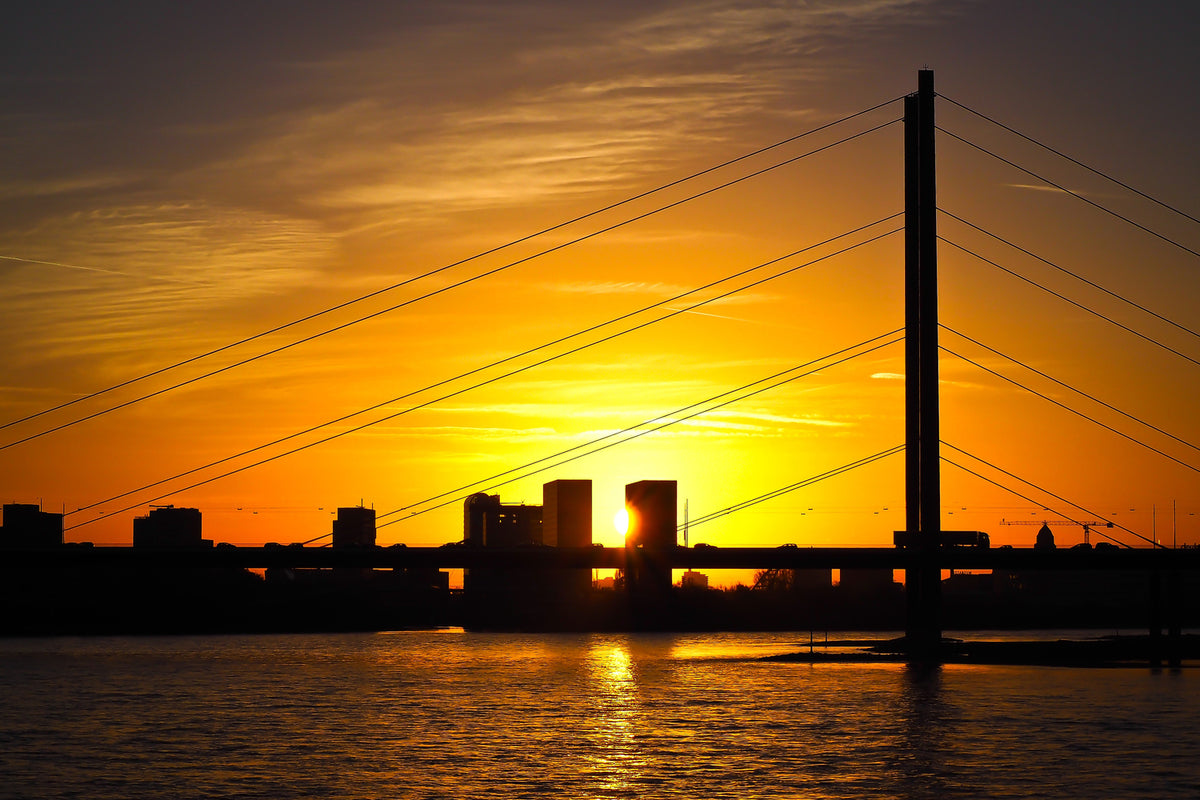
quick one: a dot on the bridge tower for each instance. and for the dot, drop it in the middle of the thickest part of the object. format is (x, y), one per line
(922, 576)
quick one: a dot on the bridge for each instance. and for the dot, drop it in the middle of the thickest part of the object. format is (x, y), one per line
(922, 559)
(460, 556)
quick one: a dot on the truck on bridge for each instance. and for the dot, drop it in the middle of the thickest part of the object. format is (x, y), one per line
(978, 539)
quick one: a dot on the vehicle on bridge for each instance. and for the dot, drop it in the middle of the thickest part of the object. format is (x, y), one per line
(950, 539)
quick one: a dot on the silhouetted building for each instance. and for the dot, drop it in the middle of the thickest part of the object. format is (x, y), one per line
(168, 526)
(694, 580)
(653, 514)
(1045, 538)
(26, 525)
(476, 509)
(652, 534)
(354, 527)
(515, 525)
(567, 513)
(489, 523)
(567, 522)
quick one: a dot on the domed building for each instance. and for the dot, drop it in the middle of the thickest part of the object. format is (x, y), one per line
(1045, 538)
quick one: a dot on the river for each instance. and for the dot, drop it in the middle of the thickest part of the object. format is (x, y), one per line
(459, 714)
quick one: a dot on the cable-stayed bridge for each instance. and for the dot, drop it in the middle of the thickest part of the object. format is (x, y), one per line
(925, 450)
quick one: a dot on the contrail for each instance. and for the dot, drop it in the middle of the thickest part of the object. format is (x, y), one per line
(98, 269)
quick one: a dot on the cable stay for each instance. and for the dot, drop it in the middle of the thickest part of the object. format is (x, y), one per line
(1074, 194)
(458, 392)
(668, 419)
(1076, 276)
(762, 498)
(1042, 490)
(461, 262)
(1012, 491)
(1074, 161)
(1078, 305)
(485, 367)
(1065, 407)
(1067, 386)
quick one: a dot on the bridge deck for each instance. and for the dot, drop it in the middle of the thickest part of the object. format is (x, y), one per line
(457, 557)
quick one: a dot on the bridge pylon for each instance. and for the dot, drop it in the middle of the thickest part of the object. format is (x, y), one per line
(922, 576)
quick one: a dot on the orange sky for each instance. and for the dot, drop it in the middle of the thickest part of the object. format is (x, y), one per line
(176, 181)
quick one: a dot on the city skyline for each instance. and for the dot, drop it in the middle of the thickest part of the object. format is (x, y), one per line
(185, 195)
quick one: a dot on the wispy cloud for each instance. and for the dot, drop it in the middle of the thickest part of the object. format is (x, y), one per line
(82, 268)
(523, 135)
(51, 187)
(660, 290)
(169, 264)
(470, 433)
(619, 287)
(168, 231)
(784, 419)
(261, 204)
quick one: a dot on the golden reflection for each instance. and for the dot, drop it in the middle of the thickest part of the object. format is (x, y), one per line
(616, 714)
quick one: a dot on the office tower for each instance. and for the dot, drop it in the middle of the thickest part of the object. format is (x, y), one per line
(354, 527)
(567, 522)
(651, 537)
(26, 525)
(567, 513)
(168, 526)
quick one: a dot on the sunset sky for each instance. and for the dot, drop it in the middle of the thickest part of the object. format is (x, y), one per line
(178, 177)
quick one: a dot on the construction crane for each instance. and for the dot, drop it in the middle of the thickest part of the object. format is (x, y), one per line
(1087, 526)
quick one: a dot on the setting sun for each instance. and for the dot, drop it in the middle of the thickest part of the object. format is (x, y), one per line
(621, 521)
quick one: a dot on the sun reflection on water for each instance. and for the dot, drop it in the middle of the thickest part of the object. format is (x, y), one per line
(615, 755)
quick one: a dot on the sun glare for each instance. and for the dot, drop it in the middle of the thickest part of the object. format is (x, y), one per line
(621, 521)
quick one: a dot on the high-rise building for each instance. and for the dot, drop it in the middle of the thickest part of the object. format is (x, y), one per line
(567, 513)
(652, 535)
(354, 527)
(653, 515)
(168, 526)
(26, 525)
(567, 522)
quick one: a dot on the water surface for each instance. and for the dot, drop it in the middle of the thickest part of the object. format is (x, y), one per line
(456, 714)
